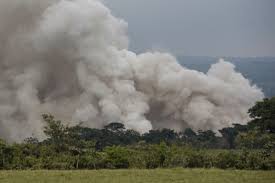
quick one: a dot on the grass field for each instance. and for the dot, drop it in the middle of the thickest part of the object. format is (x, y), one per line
(140, 176)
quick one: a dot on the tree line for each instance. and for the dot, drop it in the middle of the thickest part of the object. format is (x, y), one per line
(248, 146)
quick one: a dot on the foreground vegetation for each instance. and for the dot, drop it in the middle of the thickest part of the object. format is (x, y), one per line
(248, 146)
(140, 176)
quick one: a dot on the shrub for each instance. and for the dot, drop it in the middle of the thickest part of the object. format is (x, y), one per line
(117, 157)
(227, 159)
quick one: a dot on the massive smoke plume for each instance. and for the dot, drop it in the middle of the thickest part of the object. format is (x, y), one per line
(70, 58)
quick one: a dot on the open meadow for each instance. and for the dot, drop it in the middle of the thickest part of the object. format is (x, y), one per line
(139, 176)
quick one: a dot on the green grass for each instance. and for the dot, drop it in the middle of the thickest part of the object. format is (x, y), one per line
(141, 176)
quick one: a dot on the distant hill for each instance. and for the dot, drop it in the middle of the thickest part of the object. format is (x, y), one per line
(259, 70)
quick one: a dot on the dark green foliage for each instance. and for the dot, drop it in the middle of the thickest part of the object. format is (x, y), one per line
(240, 147)
(229, 134)
(115, 127)
(157, 136)
(56, 132)
(155, 156)
(207, 139)
(6, 155)
(255, 139)
(137, 156)
(263, 114)
(227, 159)
(117, 157)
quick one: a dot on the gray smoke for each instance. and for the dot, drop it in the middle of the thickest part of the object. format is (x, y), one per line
(70, 58)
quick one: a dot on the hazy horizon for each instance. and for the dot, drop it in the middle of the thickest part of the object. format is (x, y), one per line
(215, 28)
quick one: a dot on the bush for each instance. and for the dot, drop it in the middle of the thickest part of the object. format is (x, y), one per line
(227, 159)
(92, 161)
(194, 160)
(117, 157)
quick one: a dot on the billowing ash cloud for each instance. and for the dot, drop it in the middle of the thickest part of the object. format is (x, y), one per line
(71, 59)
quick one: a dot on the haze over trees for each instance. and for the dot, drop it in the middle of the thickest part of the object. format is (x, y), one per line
(248, 146)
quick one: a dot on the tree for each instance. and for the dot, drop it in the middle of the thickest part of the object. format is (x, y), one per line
(263, 114)
(56, 132)
(117, 157)
(6, 155)
(131, 137)
(31, 140)
(2, 153)
(189, 135)
(229, 134)
(169, 136)
(254, 139)
(115, 127)
(158, 136)
(207, 138)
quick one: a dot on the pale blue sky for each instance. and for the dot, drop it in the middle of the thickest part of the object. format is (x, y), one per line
(200, 27)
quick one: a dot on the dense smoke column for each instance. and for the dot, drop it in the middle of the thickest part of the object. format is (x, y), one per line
(71, 59)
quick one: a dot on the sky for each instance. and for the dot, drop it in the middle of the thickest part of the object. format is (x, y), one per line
(239, 28)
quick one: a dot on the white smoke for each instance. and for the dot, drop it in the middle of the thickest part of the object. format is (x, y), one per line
(70, 58)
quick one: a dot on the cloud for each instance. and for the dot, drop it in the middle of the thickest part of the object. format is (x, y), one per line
(71, 59)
